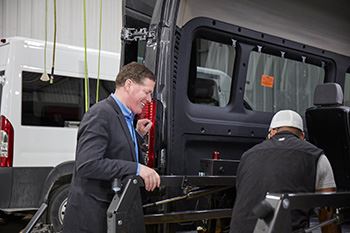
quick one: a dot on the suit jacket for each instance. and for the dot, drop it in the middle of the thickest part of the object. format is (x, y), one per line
(105, 151)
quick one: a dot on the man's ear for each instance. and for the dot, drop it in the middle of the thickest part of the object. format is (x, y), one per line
(302, 136)
(128, 84)
(272, 133)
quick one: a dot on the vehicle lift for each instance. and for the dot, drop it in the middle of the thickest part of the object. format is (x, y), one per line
(273, 212)
(125, 213)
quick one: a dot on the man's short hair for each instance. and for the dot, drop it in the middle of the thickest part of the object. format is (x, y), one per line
(134, 71)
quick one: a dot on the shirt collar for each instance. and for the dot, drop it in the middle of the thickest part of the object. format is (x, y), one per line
(284, 133)
(125, 110)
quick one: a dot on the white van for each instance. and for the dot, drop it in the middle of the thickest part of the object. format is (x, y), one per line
(39, 119)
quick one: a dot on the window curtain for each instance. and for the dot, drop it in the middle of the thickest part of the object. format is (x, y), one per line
(220, 58)
(293, 84)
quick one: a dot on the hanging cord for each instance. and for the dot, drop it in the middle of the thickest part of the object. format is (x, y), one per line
(44, 77)
(54, 41)
(99, 56)
(86, 77)
(45, 36)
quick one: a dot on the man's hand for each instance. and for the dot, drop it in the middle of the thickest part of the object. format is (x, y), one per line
(143, 126)
(327, 214)
(150, 177)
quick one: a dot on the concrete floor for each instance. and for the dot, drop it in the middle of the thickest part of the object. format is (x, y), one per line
(13, 223)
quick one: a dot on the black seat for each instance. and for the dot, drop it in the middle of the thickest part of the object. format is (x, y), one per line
(204, 91)
(328, 124)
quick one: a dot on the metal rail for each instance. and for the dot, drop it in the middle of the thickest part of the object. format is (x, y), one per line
(275, 216)
(125, 213)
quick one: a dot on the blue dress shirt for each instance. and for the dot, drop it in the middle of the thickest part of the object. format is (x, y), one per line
(129, 118)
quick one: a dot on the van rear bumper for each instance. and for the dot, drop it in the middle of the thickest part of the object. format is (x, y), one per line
(21, 187)
(6, 186)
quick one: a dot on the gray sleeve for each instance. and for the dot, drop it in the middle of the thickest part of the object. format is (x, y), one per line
(324, 174)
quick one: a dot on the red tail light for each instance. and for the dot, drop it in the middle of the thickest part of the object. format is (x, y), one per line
(215, 155)
(149, 112)
(6, 142)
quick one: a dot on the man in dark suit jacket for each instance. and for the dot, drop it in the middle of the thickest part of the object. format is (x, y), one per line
(108, 148)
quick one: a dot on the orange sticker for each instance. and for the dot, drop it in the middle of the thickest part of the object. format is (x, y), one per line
(267, 80)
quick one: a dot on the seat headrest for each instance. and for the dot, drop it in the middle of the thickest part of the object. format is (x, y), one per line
(204, 88)
(328, 94)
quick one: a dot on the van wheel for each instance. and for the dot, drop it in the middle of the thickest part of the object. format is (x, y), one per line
(57, 207)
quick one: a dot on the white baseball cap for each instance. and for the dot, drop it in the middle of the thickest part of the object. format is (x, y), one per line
(287, 118)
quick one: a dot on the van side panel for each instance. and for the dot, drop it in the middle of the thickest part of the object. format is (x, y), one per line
(38, 146)
(60, 174)
(202, 127)
(49, 146)
(4, 49)
(27, 185)
(38, 149)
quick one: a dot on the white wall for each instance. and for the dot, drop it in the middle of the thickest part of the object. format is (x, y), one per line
(26, 18)
(1, 15)
(323, 24)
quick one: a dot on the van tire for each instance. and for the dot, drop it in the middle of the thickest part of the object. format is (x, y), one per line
(57, 206)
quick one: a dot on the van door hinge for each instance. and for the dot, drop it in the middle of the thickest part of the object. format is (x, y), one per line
(2, 80)
(134, 34)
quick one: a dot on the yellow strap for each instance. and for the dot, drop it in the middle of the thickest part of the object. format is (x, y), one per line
(99, 56)
(54, 41)
(86, 79)
(45, 47)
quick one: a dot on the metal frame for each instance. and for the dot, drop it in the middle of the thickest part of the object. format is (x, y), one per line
(30, 226)
(125, 213)
(276, 217)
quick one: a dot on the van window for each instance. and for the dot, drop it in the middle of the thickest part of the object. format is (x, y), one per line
(105, 89)
(274, 83)
(57, 104)
(210, 80)
(347, 90)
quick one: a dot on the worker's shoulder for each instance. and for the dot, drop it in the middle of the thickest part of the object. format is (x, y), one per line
(290, 143)
(260, 146)
(299, 144)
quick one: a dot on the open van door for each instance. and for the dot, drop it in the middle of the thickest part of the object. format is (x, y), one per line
(136, 20)
(147, 37)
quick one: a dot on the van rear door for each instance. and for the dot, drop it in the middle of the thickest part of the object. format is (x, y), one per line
(4, 49)
(5, 172)
(2, 81)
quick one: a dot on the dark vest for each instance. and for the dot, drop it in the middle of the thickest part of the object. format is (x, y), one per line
(283, 164)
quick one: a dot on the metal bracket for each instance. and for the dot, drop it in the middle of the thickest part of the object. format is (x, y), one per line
(186, 185)
(125, 214)
(35, 218)
(134, 34)
(2, 79)
(234, 42)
